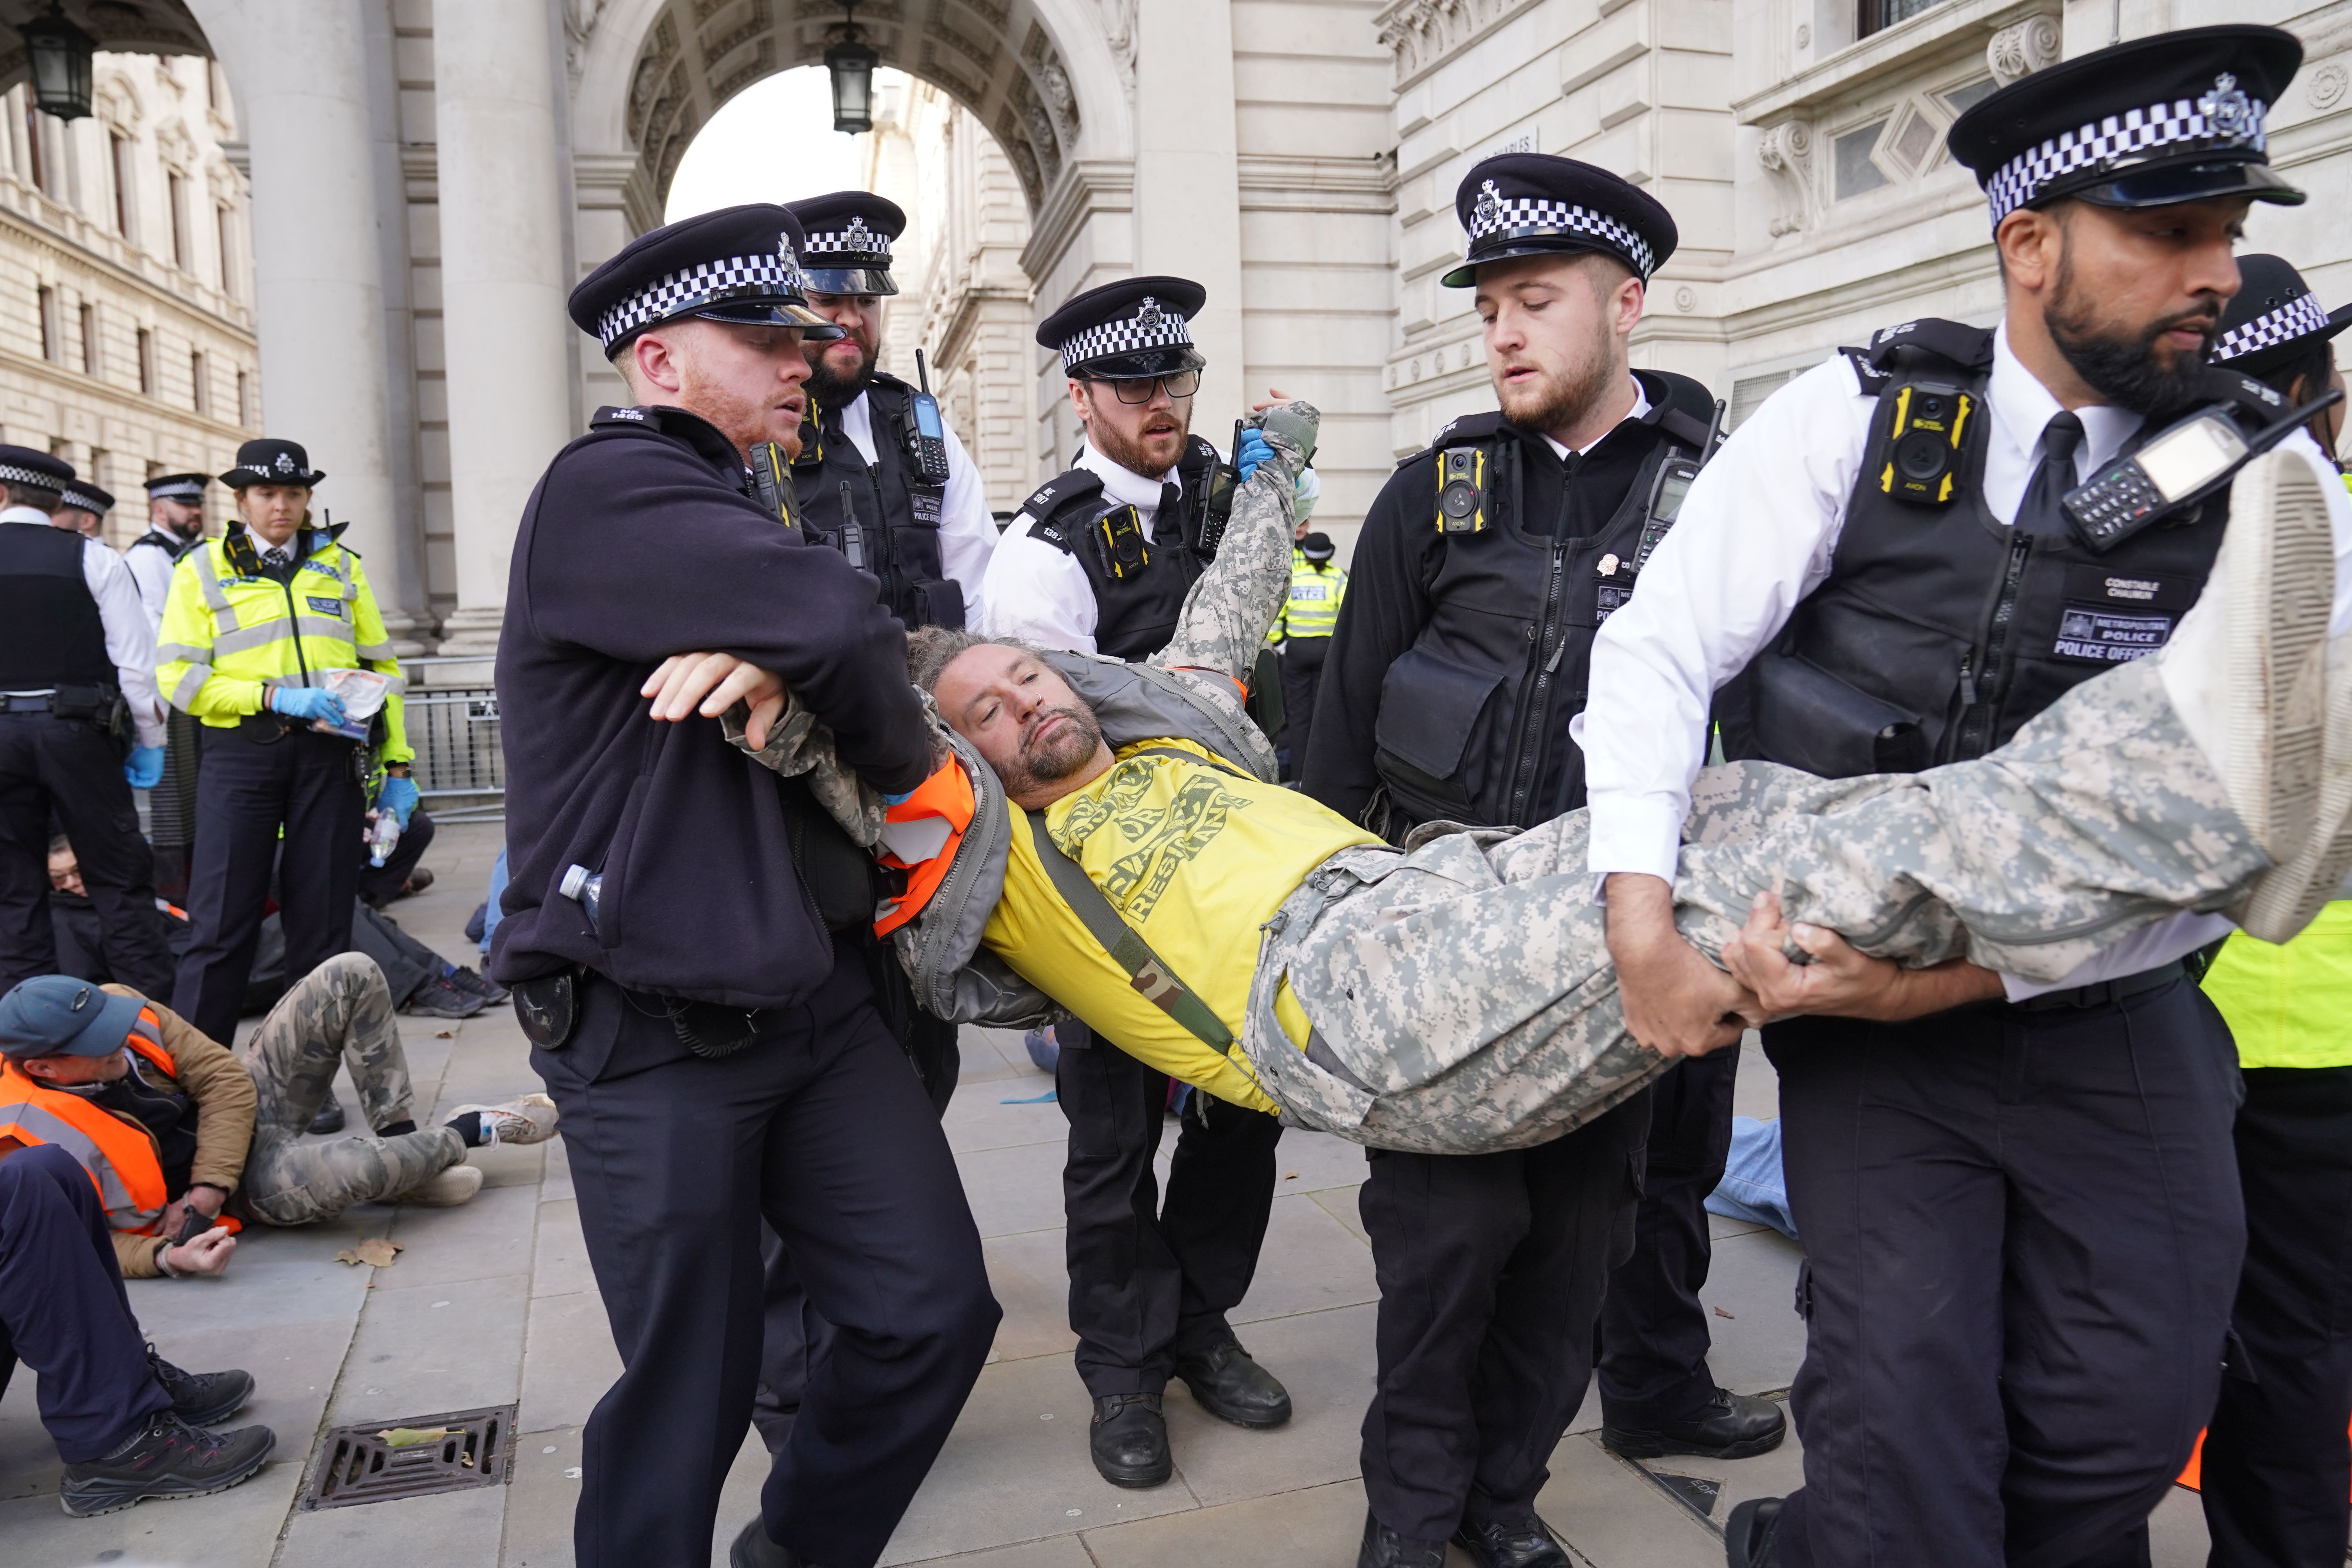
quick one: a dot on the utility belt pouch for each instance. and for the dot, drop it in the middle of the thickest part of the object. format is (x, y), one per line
(90, 704)
(1807, 718)
(548, 1008)
(939, 604)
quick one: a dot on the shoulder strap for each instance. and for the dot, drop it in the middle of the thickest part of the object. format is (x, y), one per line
(1062, 493)
(1146, 970)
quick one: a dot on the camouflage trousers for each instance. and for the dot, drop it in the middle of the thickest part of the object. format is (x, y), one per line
(1461, 993)
(339, 1013)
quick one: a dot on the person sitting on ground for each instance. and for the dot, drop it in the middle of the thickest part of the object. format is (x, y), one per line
(401, 876)
(1457, 996)
(126, 1422)
(179, 1134)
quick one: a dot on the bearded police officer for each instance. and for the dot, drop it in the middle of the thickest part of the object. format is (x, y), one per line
(77, 680)
(688, 935)
(913, 513)
(1461, 655)
(2019, 1207)
(175, 525)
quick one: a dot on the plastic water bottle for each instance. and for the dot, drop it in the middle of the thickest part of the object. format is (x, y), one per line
(582, 886)
(382, 837)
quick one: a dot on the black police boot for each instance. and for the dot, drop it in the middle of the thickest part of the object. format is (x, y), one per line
(1384, 1548)
(1128, 1440)
(330, 1117)
(1229, 1385)
(1751, 1536)
(753, 1549)
(201, 1398)
(1732, 1426)
(1524, 1542)
(169, 1458)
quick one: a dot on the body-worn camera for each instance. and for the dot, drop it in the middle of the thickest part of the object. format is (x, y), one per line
(1925, 441)
(1462, 498)
(1124, 550)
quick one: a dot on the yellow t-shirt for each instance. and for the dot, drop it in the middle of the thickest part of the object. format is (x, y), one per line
(2290, 1006)
(1195, 858)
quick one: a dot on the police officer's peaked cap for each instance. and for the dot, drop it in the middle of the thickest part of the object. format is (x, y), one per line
(1135, 327)
(2175, 117)
(1533, 203)
(189, 488)
(269, 461)
(1316, 547)
(2273, 318)
(849, 234)
(737, 264)
(24, 466)
(89, 498)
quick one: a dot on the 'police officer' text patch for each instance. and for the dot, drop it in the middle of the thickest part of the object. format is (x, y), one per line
(2113, 617)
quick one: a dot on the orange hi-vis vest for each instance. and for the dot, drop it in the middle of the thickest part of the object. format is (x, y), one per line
(119, 1154)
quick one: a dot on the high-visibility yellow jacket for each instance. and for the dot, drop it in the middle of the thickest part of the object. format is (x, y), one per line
(2290, 1006)
(231, 634)
(1313, 608)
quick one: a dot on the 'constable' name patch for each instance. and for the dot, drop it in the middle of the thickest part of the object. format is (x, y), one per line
(2110, 618)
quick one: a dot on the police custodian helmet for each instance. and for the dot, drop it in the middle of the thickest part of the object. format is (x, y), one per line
(738, 264)
(1533, 203)
(2175, 117)
(1127, 330)
(848, 249)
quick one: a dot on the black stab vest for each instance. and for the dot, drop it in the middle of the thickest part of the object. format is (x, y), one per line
(1136, 604)
(51, 633)
(897, 511)
(1473, 716)
(1938, 632)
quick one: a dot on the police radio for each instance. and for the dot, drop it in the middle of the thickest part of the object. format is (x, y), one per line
(1463, 479)
(927, 436)
(1217, 503)
(1925, 442)
(772, 484)
(2177, 468)
(1673, 484)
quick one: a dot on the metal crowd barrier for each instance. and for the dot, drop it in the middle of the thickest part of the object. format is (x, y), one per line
(459, 769)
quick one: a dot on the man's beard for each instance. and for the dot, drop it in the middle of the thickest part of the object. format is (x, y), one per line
(2124, 368)
(1053, 760)
(1131, 454)
(1559, 399)
(831, 389)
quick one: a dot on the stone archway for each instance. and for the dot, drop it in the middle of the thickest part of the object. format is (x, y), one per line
(121, 27)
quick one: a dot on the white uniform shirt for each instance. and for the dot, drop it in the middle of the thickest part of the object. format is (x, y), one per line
(1037, 592)
(1755, 535)
(130, 640)
(150, 570)
(966, 527)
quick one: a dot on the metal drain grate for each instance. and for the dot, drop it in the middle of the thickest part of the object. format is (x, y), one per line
(356, 1465)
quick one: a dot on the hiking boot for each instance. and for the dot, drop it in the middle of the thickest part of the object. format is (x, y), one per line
(1729, 1427)
(1128, 1440)
(1229, 1385)
(438, 998)
(1384, 1548)
(418, 880)
(474, 983)
(526, 1119)
(330, 1119)
(168, 1458)
(201, 1398)
(1521, 1541)
(448, 1190)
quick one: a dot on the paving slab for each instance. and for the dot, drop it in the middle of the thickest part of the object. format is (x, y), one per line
(1325, 1359)
(1014, 1189)
(978, 1117)
(426, 1349)
(449, 1529)
(1060, 1552)
(567, 1360)
(1340, 1203)
(1751, 1296)
(540, 1500)
(235, 1528)
(559, 1256)
(1616, 1517)
(1317, 1262)
(1319, 1527)
(1308, 1161)
(1711, 1488)
(491, 1236)
(1030, 1276)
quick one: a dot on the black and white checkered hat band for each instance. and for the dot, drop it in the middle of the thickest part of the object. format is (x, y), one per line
(12, 475)
(2021, 181)
(1536, 217)
(181, 489)
(2299, 317)
(846, 242)
(83, 499)
(1151, 328)
(711, 283)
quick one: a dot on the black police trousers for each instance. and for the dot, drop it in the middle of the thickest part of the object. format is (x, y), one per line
(819, 1128)
(379, 885)
(1653, 1332)
(2023, 1231)
(246, 789)
(1491, 1269)
(1302, 678)
(70, 771)
(1152, 1281)
(2278, 1466)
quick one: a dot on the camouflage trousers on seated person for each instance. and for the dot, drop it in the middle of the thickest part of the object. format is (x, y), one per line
(340, 1013)
(1461, 994)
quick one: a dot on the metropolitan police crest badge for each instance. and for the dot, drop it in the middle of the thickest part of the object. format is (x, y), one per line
(1489, 210)
(2228, 111)
(1149, 314)
(284, 464)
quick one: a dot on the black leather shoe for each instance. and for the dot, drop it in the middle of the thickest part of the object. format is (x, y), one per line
(1130, 1440)
(330, 1117)
(1751, 1536)
(1735, 1426)
(1232, 1387)
(1522, 1543)
(1384, 1548)
(753, 1549)
(201, 1398)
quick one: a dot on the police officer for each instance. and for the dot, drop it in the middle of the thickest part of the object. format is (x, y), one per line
(1099, 559)
(2020, 1207)
(1462, 652)
(76, 677)
(2277, 1470)
(922, 521)
(688, 934)
(1304, 632)
(82, 507)
(256, 620)
(175, 525)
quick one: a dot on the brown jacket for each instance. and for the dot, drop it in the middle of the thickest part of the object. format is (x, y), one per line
(211, 1075)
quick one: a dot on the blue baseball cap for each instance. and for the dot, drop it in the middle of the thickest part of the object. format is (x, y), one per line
(55, 1015)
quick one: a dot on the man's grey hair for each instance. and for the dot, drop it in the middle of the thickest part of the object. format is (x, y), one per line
(930, 649)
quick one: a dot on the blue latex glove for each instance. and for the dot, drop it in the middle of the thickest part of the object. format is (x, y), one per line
(1255, 450)
(397, 796)
(311, 702)
(145, 768)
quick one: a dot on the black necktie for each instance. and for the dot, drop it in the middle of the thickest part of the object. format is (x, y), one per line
(1166, 521)
(2040, 512)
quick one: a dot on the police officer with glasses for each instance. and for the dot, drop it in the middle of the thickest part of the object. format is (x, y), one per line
(2020, 1203)
(879, 473)
(77, 680)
